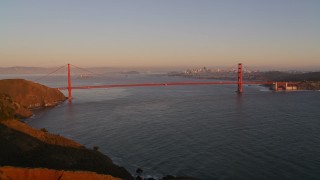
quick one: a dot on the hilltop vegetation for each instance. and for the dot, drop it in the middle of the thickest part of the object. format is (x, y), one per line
(7, 108)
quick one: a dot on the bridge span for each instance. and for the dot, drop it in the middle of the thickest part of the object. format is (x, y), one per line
(239, 83)
(276, 85)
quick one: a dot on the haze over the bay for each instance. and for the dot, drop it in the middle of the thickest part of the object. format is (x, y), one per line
(163, 33)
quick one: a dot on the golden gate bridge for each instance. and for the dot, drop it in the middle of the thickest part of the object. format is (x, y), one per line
(239, 82)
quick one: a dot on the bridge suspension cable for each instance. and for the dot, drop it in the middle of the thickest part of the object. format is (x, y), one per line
(50, 73)
(83, 69)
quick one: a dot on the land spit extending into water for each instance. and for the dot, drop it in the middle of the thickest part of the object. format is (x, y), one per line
(28, 153)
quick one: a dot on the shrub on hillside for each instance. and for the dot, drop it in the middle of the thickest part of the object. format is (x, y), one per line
(7, 109)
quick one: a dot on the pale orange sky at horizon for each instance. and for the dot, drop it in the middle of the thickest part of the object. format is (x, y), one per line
(160, 33)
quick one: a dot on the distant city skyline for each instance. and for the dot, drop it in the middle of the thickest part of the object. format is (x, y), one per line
(164, 33)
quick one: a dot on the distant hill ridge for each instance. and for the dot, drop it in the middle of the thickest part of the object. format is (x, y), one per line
(283, 76)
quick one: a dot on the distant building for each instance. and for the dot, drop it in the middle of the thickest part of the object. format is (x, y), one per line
(197, 71)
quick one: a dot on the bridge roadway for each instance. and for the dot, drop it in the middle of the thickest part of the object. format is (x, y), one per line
(163, 84)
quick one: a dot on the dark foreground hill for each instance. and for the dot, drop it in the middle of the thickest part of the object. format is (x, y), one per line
(11, 173)
(23, 150)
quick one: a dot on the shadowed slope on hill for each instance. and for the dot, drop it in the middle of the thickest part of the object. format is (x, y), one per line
(40, 135)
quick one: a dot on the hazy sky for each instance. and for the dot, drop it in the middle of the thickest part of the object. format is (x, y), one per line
(160, 32)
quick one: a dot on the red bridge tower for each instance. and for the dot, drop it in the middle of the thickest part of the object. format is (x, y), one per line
(69, 84)
(240, 78)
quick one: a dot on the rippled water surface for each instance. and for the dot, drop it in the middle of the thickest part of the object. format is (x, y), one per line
(204, 131)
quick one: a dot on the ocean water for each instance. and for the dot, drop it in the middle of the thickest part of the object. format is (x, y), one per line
(206, 131)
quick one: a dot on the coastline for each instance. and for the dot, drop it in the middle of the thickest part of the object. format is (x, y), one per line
(30, 153)
(26, 147)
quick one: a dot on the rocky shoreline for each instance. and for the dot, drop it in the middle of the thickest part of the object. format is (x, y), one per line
(309, 85)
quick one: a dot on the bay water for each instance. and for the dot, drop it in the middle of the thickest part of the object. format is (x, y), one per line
(203, 131)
